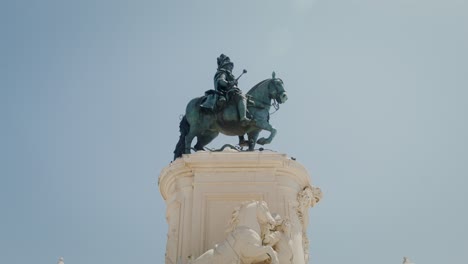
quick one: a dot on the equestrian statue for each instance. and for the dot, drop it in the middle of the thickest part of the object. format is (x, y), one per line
(225, 109)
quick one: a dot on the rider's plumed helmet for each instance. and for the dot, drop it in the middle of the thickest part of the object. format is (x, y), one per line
(224, 60)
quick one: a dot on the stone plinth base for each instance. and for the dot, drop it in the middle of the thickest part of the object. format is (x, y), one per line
(202, 189)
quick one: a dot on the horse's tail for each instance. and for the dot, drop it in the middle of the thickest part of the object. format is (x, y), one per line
(184, 128)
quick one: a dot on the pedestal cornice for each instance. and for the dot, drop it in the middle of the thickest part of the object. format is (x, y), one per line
(225, 161)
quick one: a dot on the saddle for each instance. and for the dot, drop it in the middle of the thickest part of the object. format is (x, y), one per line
(213, 101)
(216, 101)
(225, 110)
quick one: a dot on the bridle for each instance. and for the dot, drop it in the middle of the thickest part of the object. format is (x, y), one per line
(275, 103)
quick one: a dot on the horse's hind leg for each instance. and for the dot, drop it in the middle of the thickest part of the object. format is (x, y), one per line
(205, 139)
(188, 141)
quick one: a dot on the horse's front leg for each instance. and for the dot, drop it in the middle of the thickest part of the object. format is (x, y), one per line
(266, 126)
(260, 253)
(253, 139)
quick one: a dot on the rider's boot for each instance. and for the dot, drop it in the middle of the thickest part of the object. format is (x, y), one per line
(241, 106)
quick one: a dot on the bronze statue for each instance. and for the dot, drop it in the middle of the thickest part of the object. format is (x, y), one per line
(226, 89)
(227, 110)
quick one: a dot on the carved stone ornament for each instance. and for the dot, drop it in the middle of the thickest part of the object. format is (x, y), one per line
(243, 243)
(306, 198)
(280, 239)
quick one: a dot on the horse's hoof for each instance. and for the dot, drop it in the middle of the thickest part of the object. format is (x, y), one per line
(262, 141)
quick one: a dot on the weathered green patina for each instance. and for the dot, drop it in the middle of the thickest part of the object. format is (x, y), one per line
(226, 89)
(228, 111)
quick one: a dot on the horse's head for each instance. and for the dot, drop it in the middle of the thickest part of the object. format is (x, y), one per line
(251, 214)
(263, 214)
(276, 90)
(267, 90)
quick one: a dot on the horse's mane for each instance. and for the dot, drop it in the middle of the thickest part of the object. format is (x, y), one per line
(258, 85)
(262, 83)
(235, 216)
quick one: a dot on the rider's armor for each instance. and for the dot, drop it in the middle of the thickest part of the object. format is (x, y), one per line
(226, 89)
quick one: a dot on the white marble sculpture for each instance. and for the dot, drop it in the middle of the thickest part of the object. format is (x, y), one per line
(202, 189)
(406, 260)
(309, 196)
(280, 239)
(244, 243)
(60, 261)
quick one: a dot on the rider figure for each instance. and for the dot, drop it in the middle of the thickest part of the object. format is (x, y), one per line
(226, 84)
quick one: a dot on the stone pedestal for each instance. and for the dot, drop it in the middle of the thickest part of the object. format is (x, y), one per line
(202, 189)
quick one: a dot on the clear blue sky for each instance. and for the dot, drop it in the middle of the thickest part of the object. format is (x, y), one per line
(91, 93)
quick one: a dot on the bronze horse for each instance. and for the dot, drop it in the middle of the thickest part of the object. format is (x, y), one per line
(206, 125)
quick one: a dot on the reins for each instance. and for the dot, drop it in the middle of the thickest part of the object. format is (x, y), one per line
(275, 103)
